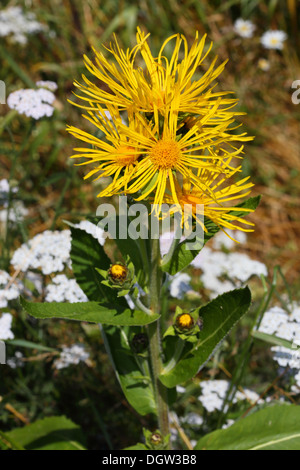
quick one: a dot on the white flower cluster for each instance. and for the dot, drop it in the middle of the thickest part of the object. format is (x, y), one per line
(32, 103)
(48, 251)
(272, 39)
(214, 393)
(221, 240)
(17, 24)
(63, 289)
(180, 285)
(71, 355)
(8, 289)
(237, 267)
(17, 211)
(278, 322)
(15, 214)
(5, 326)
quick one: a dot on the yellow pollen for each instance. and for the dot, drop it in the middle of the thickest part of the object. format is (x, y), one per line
(185, 321)
(117, 271)
(126, 155)
(165, 154)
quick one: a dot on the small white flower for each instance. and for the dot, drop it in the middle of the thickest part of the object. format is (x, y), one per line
(221, 240)
(5, 326)
(180, 285)
(9, 290)
(228, 423)
(264, 64)
(214, 393)
(92, 229)
(13, 214)
(166, 240)
(16, 360)
(193, 419)
(71, 355)
(273, 39)
(244, 28)
(272, 320)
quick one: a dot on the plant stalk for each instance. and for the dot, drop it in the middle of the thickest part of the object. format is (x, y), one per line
(155, 340)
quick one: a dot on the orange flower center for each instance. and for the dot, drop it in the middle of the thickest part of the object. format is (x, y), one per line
(126, 155)
(165, 154)
(191, 200)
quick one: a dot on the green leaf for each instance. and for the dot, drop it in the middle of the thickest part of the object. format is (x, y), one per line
(94, 312)
(138, 446)
(272, 339)
(276, 427)
(182, 256)
(55, 433)
(219, 316)
(86, 255)
(133, 372)
(29, 344)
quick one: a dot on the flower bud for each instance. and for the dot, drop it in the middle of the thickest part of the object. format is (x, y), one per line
(139, 342)
(184, 322)
(118, 274)
(156, 439)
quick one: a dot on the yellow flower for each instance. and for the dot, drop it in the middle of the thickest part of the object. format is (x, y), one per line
(169, 152)
(126, 84)
(144, 156)
(196, 203)
(116, 152)
(176, 127)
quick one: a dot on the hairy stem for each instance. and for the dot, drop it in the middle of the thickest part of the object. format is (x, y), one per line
(155, 340)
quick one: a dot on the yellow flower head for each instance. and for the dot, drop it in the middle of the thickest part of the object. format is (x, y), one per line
(135, 80)
(115, 154)
(160, 126)
(195, 203)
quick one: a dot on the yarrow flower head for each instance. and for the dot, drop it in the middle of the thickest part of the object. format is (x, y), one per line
(17, 24)
(166, 136)
(33, 103)
(244, 28)
(5, 326)
(72, 355)
(273, 39)
(9, 289)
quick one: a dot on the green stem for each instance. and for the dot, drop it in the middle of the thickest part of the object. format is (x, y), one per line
(155, 340)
